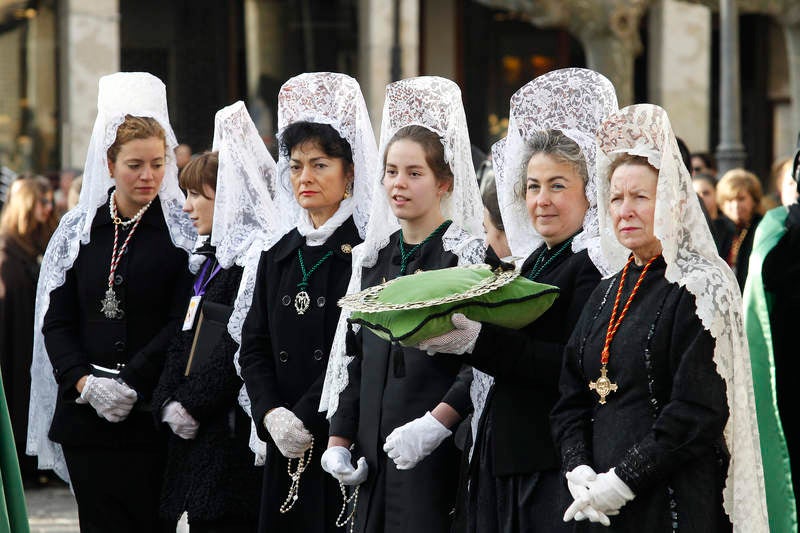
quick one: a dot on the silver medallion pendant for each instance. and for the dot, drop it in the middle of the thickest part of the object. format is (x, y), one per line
(301, 302)
(109, 305)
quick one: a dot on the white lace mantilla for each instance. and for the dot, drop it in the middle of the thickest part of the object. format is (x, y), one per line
(124, 93)
(574, 101)
(334, 99)
(693, 262)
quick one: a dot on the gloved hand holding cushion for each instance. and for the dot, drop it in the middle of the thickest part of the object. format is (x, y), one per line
(413, 308)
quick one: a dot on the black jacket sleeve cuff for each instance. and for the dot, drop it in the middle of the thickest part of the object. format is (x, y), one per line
(637, 470)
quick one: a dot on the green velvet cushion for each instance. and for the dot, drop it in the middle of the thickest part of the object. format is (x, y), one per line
(413, 308)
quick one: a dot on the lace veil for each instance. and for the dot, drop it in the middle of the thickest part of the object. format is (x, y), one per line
(574, 101)
(124, 93)
(246, 220)
(693, 262)
(334, 99)
(433, 103)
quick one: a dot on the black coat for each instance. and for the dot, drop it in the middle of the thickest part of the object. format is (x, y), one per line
(662, 428)
(743, 257)
(152, 282)
(212, 476)
(526, 365)
(388, 387)
(19, 272)
(284, 356)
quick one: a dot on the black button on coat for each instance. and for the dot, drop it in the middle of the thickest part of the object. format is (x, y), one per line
(284, 356)
(153, 294)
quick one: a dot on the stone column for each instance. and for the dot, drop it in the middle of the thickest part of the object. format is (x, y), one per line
(89, 43)
(263, 20)
(730, 151)
(679, 67)
(375, 34)
(440, 38)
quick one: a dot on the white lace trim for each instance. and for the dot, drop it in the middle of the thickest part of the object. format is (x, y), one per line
(693, 262)
(334, 99)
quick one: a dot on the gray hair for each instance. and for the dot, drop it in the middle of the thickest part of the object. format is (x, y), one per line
(558, 146)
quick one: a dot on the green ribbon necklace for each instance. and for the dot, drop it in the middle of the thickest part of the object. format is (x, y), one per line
(541, 264)
(405, 256)
(301, 299)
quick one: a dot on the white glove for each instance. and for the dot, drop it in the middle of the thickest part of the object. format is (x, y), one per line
(179, 420)
(577, 482)
(111, 399)
(608, 493)
(290, 435)
(412, 442)
(337, 462)
(458, 341)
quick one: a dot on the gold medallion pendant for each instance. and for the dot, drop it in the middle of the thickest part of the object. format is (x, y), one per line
(603, 386)
(301, 302)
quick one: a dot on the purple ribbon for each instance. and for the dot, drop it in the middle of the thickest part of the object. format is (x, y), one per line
(199, 284)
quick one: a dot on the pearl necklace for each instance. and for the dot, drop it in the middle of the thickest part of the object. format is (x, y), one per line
(112, 209)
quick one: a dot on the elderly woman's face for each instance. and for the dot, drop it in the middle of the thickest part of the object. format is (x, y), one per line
(318, 180)
(740, 207)
(632, 204)
(555, 198)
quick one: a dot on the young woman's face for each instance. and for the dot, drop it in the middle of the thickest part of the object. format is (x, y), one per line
(496, 238)
(199, 205)
(410, 184)
(632, 204)
(43, 208)
(319, 181)
(555, 198)
(138, 173)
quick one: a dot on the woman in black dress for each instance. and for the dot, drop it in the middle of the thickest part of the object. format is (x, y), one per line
(327, 152)
(399, 404)
(650, 423)
(210, 473)
(112, 291)
(515, 483)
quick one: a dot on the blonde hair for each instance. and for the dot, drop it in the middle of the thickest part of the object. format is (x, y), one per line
(737, 180)
(18, 220)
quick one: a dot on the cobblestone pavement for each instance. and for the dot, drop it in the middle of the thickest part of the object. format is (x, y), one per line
(53, 509)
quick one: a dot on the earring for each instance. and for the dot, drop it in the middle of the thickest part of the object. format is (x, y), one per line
(348, 190)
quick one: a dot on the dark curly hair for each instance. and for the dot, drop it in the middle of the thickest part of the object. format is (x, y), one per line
(323, 135)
